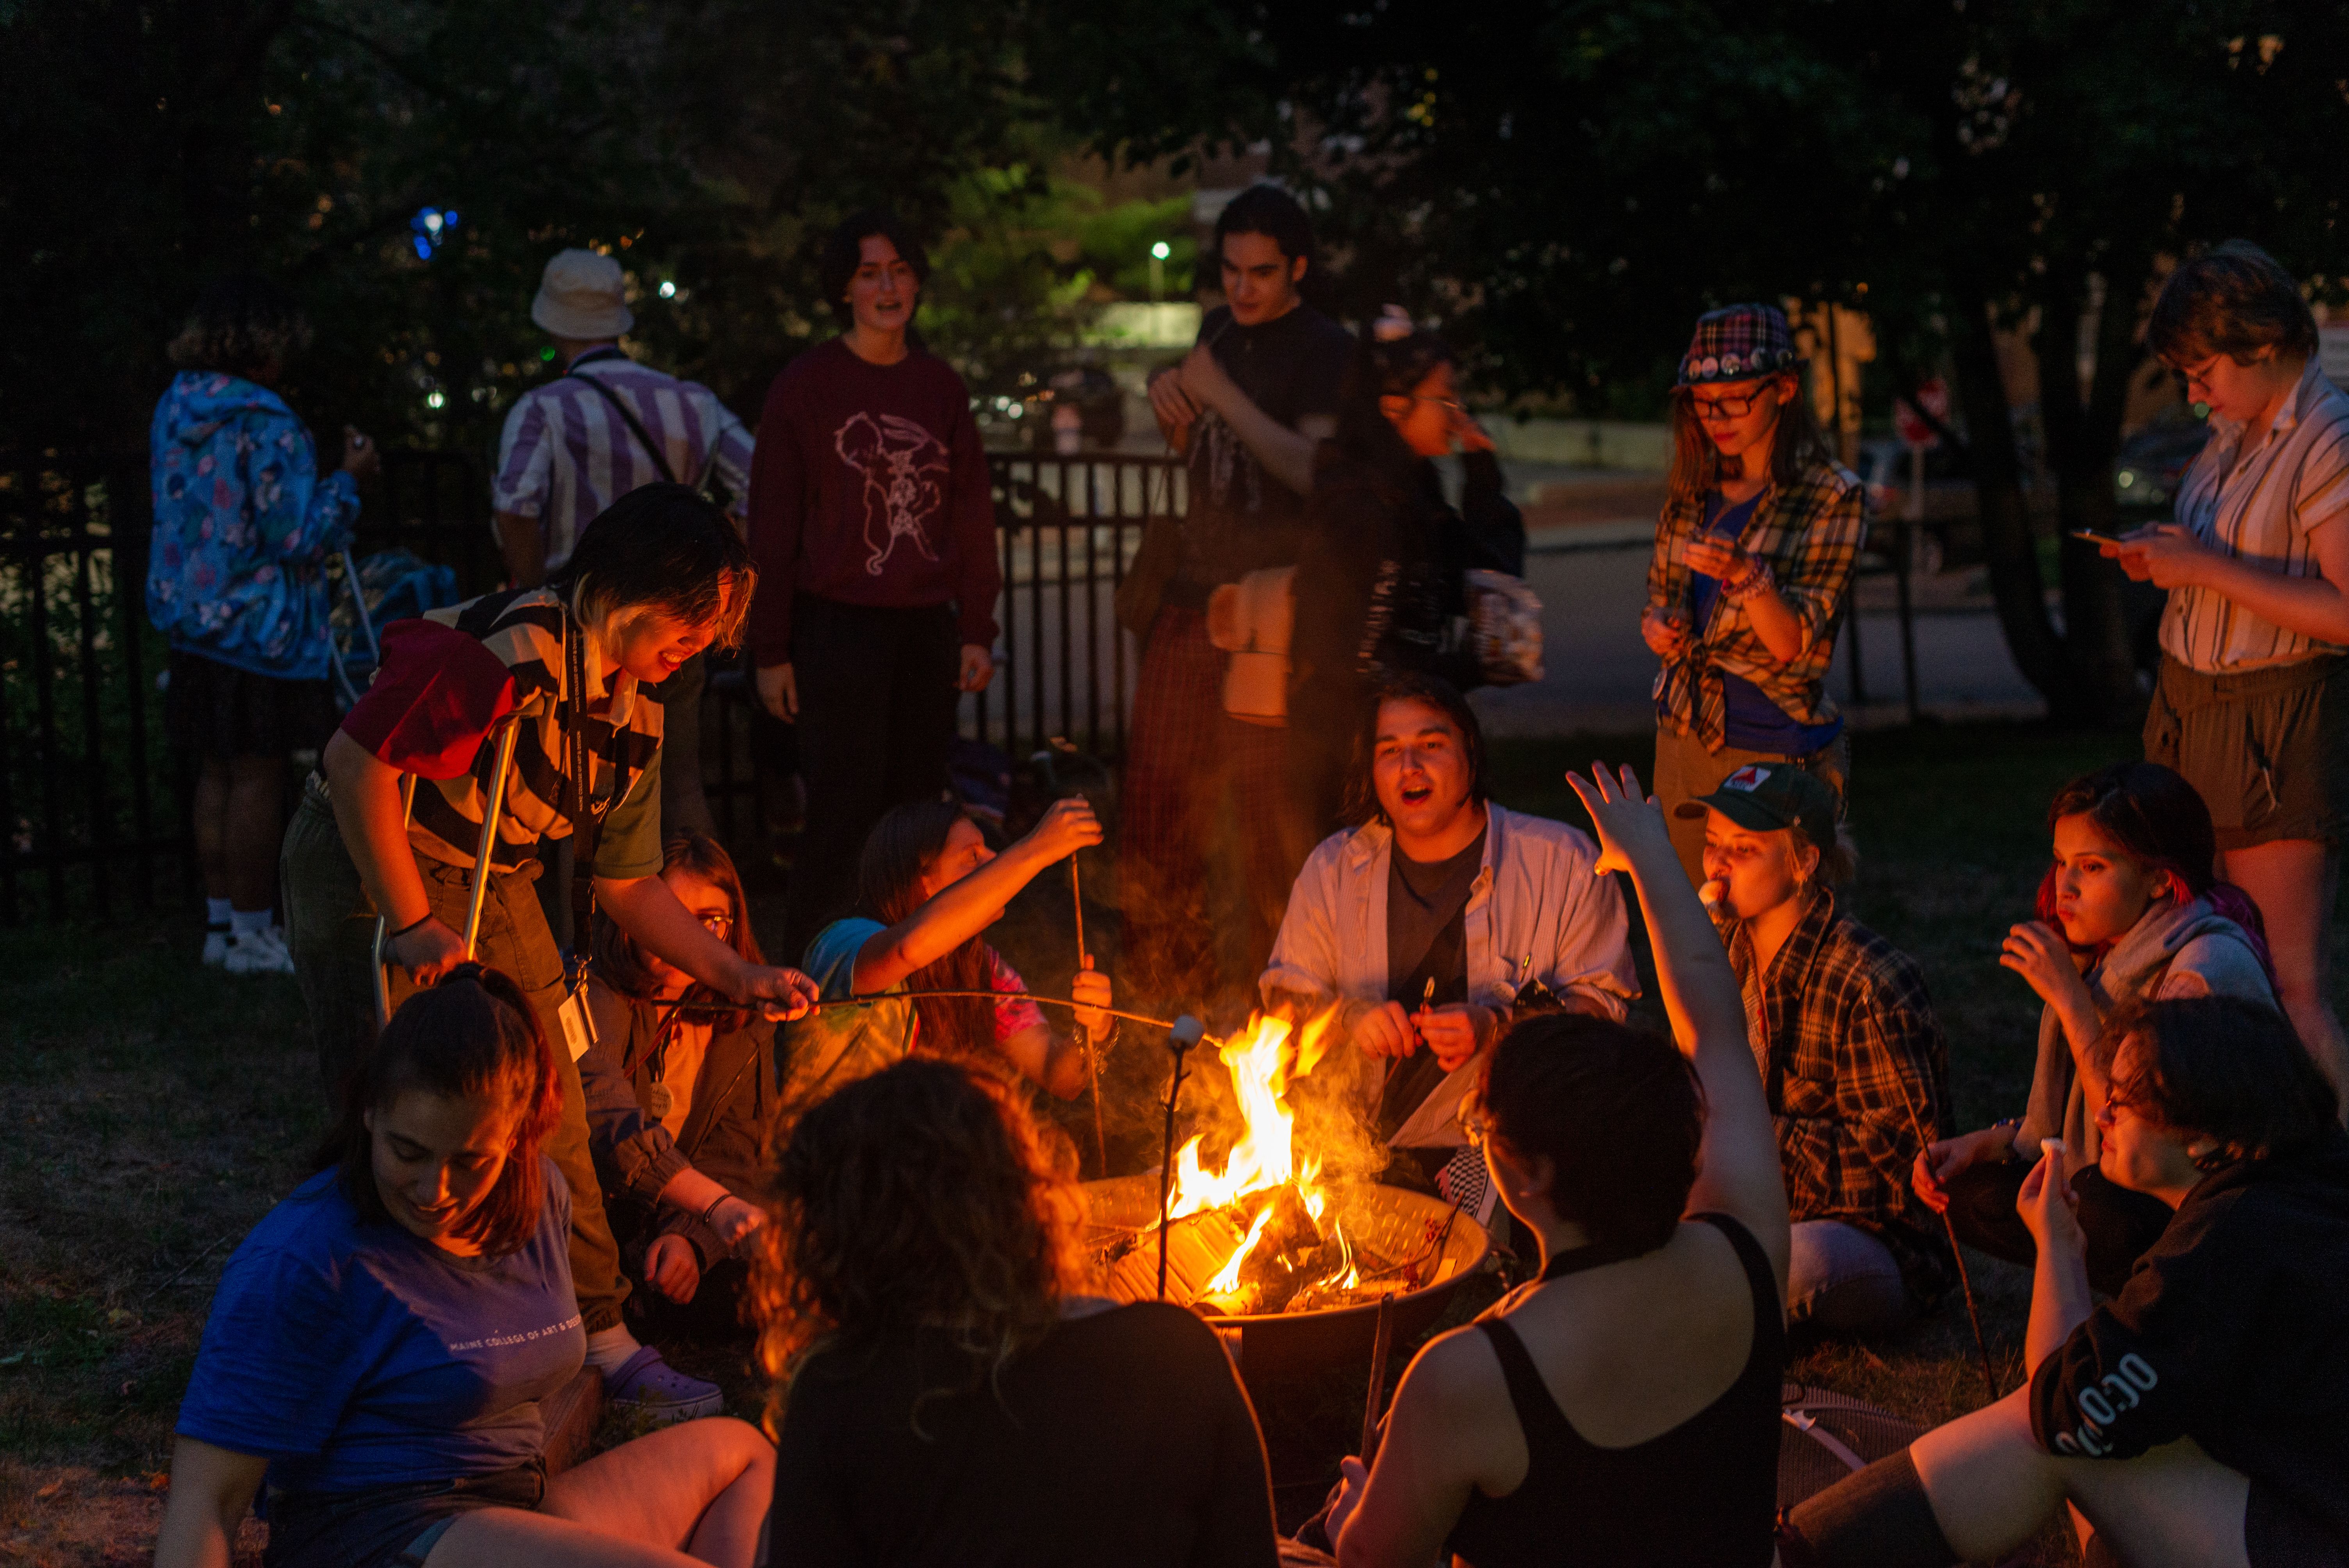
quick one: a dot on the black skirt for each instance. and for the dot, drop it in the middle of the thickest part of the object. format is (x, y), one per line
(212, 710)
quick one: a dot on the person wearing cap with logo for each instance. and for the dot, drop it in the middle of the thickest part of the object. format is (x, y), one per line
(1852, 1058)
(1752, 571)
(602, 427)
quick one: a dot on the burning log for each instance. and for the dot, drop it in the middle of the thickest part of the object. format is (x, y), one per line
(1197, 1248)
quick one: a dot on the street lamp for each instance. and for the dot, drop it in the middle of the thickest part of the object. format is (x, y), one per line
(1158, 254)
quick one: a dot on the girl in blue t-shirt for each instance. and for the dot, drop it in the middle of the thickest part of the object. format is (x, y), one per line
(379, 1344)
(928, 885)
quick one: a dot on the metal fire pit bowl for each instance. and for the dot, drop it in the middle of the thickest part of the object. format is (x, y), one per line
(1388, 1220)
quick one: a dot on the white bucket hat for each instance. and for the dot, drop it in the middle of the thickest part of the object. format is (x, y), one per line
(582, 295)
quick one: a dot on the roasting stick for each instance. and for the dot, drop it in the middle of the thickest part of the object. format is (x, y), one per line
(1084, 1035)
(1965, 1281)
(1382, 1347)
(716, 1009)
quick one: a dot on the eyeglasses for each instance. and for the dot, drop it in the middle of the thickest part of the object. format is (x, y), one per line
(1453, 404)
(1476, 1125)
(718, 925)
(1723, 407)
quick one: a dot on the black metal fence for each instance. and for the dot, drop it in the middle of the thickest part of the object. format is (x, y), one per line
(93, 803)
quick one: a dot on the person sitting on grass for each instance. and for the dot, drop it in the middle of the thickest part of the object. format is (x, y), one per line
(380, 1344)
(1426, 923)
(2196, 1418)
(944, 1390)
(1624, 1408)
(926, 886)
(1852, 1058)
(2130, 909)
(679, 1108)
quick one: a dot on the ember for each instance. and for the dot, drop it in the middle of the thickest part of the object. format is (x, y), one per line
(1268, 1234)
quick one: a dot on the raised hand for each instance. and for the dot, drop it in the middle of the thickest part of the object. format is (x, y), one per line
(1623, 815)
(1067, 827)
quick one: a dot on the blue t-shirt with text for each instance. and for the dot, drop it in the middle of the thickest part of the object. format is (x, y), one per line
(355, 1355)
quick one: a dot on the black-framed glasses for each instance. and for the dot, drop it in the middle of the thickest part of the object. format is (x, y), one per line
(1732, 407)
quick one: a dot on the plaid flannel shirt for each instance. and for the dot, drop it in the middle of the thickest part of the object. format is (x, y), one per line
(1847, 1043)
(1810, 533)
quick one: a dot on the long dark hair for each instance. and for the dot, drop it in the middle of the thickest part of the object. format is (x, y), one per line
(621, 962)
(1796, 444)
(1617, 1110)
(889, 888)
(473, 1036)
(925, 1196)
(1366, 450)
(2156, 817)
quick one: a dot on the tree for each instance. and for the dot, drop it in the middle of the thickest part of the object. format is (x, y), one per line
(1571, 182)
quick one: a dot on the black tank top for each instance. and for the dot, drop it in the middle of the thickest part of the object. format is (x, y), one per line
(1703, 1495)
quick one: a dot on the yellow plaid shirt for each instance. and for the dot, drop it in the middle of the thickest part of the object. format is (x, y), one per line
(1810, 533)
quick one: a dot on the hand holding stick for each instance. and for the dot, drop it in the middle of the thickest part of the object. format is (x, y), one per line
(1083, 1035)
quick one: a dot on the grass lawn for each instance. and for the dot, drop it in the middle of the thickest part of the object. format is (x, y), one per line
(162, 1107)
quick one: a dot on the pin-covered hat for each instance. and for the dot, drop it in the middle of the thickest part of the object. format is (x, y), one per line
(1737, 343)
(1763, 797)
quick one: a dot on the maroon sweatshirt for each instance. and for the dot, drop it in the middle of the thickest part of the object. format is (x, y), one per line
(869, 487)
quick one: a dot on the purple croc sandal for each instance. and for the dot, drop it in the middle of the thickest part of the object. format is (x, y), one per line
(663, 1392)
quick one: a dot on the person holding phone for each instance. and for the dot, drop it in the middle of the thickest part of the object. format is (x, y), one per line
(1752, 571)
(2252, 703)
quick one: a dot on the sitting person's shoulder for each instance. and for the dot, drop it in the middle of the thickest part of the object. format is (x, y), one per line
(1525, 833)
(1884, 969)
(831, 957)
(2218, 962)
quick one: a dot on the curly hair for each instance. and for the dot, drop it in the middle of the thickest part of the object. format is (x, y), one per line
(243, 324)
(924, 1197)
(471, 1037)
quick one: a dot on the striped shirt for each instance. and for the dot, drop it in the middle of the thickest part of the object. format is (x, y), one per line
(449, 678)
(2266, 512)
(566, 455)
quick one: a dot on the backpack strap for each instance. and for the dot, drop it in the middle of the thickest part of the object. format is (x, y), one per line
(644, 437)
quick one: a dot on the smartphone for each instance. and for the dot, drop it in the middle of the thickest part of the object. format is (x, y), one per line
(2093, 537)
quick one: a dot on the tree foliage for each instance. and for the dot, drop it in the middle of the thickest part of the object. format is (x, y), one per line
(1570, 182)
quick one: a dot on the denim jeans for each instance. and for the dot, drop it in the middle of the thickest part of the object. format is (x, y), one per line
(1843, 1280)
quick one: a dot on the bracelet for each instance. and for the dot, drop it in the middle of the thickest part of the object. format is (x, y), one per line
(1753, 580)
(411, 926)
(709, 1215)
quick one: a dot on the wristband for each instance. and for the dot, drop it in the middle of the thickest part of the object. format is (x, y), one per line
(410, 926)
(710, 1215)
(1755, 580)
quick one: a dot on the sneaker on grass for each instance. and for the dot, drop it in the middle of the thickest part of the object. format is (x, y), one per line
(258, 953)
(660, 1390)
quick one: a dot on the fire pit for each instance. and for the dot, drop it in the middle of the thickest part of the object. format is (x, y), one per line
(1397, 1236)
(1294, 1263)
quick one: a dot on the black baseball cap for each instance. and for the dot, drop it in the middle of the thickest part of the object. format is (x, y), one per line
(1763, 797)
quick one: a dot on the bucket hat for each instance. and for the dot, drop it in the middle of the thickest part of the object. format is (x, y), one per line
(582, 295)
(1737, 343)
(1763, 797)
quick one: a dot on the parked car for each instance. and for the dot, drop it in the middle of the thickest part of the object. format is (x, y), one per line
(2149, 465)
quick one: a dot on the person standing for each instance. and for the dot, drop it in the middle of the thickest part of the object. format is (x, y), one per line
(1752, 571)
(576, 444)
(244, 525)
(874, 527)
(2252, 705)
(1247, 408)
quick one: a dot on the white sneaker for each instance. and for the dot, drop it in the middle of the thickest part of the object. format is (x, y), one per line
(262, 952)
(215, 946)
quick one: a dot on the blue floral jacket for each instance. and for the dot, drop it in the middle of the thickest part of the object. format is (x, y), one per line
(244, 526)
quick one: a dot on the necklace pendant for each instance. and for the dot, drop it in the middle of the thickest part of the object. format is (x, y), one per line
(660, 1101)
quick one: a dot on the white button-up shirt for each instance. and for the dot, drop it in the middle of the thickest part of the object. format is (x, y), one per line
(1535, 911)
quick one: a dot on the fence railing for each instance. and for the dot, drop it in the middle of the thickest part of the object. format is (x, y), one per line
(93, 814)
